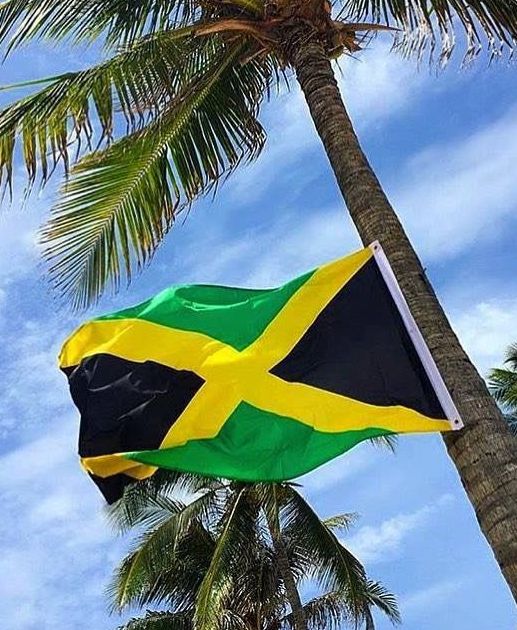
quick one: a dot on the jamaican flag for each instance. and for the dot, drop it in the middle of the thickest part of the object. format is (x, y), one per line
(251, 384)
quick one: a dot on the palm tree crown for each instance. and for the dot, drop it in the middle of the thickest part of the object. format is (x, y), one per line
(174, 108)
(214, 561)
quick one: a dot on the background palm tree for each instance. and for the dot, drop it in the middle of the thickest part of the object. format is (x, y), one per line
(503, 386)
(233, 555)
(188, 77)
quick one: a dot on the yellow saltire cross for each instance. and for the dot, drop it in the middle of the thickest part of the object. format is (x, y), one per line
(233, 376)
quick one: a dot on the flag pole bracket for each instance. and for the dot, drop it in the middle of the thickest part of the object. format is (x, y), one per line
(416, 336)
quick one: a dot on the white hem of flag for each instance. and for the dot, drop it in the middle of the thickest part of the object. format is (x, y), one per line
(421, 347)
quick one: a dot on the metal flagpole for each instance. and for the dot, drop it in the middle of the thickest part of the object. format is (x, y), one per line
(423, 351)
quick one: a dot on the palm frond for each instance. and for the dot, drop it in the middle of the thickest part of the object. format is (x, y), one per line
(430, 24)
(233, 545)
(258, 589)
(379, 597)
(385, 441)
(77, 106)
(156, 550)
(510, 356)
(161, 621)
(332, 565)
(115, 21)
(511, 421)
(326, 612)
(153, 500)
(503, 387)
(119, 203)
(341, 522)
(331, 611)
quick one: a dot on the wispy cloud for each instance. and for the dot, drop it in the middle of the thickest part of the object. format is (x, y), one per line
(376, 87)
(383, 542)
(268, 256)
(18, 254)
(442, 201)
(486, 329)
(55, 535)
(461, 192)
(380, 84)
(338, 470)
(30, 377)
(424, 600)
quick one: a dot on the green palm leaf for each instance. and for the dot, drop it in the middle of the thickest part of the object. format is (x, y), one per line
(136, 83)
(332, 565)
(378, 596)
(161, 621)
(233, 547)
(430, 23)
(511, 421)
(341, 522)
(220, 566)
(116, 21)
(511, 357)
(119, 203)
(151, 502)
(331, 611)
(158, 550)
(503, 386)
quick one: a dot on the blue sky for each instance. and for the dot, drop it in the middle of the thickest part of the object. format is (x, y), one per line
(444, 146)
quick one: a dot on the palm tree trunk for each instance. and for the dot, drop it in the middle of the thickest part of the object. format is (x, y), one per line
(484, 452)
(293, 597)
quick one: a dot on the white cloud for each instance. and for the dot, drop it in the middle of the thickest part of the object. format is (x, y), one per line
(379, 83)
(338, 470)
(460, 193)
(18, 253)
(452, 198)
(486, 329)
(431, 597)
(292, 250)
(53, 534)
(372, 544)
(57, 549)
(269, 256)
(30, 357)
(376, 85)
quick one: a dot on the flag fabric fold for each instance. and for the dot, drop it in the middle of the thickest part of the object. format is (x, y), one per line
(255, 385)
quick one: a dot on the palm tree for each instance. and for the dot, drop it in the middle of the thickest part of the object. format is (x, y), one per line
(188, 78)
(503, 386)
(232, 555)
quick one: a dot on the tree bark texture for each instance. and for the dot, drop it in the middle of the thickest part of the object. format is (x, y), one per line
(484, 452)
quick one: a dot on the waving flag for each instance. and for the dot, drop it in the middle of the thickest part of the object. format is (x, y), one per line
(250, 384)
